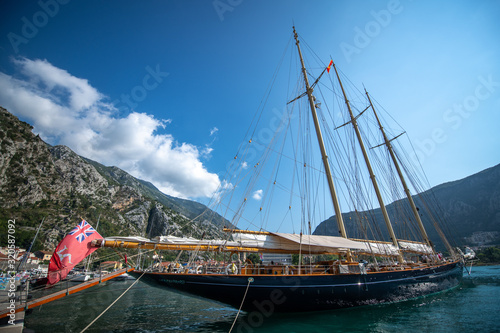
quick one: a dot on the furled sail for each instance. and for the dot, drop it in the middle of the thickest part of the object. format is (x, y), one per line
(251, 242)
(268, 242)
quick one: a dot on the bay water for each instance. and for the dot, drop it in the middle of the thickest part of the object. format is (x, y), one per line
(474, 306)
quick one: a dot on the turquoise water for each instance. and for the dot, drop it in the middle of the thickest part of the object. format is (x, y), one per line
(472, 307)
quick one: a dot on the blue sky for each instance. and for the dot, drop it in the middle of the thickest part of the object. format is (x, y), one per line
(166, 89)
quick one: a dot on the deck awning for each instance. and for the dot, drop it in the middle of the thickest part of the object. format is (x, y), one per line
(268, 242)
(296, 243)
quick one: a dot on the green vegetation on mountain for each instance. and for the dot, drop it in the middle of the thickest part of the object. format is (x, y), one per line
(489, 255)
(41, 181)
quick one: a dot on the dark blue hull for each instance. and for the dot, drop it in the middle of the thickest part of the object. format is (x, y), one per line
(298, 293)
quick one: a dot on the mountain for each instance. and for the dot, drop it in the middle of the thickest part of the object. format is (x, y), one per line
(52, 182)
(470, 207)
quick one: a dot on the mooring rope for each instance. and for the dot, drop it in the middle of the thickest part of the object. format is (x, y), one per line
(250, 280)
(116, 300)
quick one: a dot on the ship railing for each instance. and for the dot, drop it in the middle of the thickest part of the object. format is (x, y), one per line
(271, 269)
(332, 268)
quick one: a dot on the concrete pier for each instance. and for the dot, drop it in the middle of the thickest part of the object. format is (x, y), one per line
(12, 322)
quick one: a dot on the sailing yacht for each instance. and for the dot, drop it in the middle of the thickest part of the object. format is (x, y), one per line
(368, 262)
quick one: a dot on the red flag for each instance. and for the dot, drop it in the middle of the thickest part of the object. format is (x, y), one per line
(329, 66)
(71, 250)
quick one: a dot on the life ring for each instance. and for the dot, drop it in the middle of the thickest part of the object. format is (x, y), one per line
(199, 269)
(231, 269)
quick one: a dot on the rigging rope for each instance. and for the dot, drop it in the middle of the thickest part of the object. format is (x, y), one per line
(116, 300)
(250, 280)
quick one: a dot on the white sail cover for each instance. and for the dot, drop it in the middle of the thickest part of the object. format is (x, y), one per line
(271, 241)
(289, 242)
(294, 242)
(383, 249)
(415, 247)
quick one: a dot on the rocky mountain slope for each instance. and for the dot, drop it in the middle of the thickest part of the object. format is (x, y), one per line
(52, 182)
(470, 207)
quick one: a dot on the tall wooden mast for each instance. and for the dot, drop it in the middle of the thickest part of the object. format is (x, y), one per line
(309, 90)
(369, 167)
(401, 177)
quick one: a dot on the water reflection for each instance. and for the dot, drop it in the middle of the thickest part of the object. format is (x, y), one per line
(471, 307)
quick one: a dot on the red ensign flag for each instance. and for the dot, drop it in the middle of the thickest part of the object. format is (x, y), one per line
(71, 250)
(329, 66)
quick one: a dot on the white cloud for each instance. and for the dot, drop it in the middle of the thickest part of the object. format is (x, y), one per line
(213, 131)
(67, 110)
(225, 188)
(81, 95)
(257, 195)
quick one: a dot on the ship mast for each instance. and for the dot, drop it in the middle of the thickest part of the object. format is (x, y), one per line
(401, 177)
(370, 170)
(309, 90)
